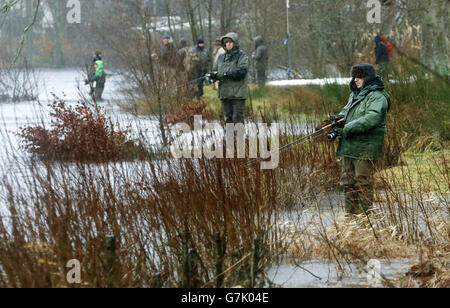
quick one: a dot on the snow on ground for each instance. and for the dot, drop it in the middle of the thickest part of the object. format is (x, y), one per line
(308, 82)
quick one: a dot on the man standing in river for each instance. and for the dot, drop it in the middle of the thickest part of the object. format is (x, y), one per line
(97, 77)
(362, 139)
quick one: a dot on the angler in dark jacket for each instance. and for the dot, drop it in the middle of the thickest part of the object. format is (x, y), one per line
(363, 136)
(181, 55)
(202, 66)
(261, 58)
(168, 53)
(231, 69)
(382, 56)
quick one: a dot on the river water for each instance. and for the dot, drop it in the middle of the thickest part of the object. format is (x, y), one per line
(68, 84)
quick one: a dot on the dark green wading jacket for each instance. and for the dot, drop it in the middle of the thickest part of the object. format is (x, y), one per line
(232, 68)
(365, 118)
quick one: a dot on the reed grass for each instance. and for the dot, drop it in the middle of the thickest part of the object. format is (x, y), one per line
(222, 223)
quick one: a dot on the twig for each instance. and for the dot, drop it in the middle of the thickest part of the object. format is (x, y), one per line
(25, 31)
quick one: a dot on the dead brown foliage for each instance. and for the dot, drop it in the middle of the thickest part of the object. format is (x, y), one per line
(79, 133)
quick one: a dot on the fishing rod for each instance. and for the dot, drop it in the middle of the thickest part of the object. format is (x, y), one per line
(331, 136)
(165, 93)
(171, 90)
(186, 84)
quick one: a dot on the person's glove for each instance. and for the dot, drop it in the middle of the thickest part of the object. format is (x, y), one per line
(339, 121)
(212, 76)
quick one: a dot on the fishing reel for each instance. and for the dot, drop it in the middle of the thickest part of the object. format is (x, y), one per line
(211, 77)
(338, 122)
(333, 135)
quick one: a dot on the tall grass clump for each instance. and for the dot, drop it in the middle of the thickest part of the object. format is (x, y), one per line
(197, 223)
(151, 223)
(409, 221)
(421, 103)
(173, 224)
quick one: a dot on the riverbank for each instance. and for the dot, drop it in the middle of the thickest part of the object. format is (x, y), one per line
(223, 223)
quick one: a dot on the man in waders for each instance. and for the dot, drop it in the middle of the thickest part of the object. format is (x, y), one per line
(362, 138)
(97, 79)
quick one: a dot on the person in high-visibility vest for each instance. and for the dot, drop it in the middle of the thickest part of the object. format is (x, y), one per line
(98, 78)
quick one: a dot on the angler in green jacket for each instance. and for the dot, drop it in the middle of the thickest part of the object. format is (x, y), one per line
(231, 70)
(98, 78)
(363, 134)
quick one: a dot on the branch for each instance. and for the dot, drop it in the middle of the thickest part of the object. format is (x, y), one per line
(25, 31)
(6, 8)
(416, 61)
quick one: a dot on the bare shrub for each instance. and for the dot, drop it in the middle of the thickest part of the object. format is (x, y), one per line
(18, 84)
(79, 133)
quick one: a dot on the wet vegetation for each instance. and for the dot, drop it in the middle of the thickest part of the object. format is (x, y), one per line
(82, 133)
(87, 189)
(224, 223)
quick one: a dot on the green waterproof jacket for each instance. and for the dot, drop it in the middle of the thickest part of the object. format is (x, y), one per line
(232, 68)
(99, 69)
(365, 118)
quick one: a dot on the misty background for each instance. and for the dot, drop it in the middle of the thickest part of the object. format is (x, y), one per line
(326, 37)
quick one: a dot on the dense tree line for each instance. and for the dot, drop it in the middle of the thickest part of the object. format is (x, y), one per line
(325, 36)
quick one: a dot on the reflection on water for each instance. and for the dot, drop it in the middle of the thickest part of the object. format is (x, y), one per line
(69, 85)
(316, 274)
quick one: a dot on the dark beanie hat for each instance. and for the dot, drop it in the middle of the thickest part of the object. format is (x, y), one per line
(200, 41)
(363, 70)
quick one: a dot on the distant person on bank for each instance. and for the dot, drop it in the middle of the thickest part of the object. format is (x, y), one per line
(231, 70)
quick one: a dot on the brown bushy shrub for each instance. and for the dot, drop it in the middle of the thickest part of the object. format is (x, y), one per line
(80, 133)
(185, 111)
